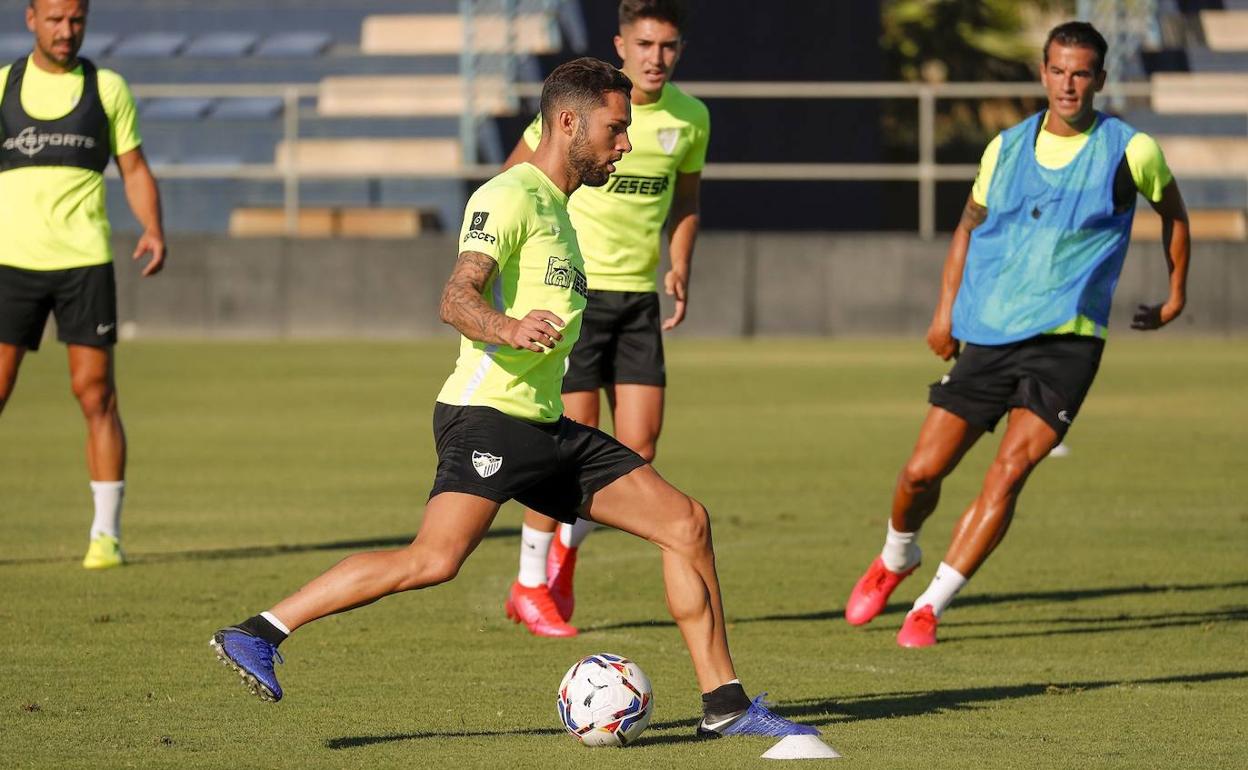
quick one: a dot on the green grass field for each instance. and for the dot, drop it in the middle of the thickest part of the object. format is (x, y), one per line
(1109, 630)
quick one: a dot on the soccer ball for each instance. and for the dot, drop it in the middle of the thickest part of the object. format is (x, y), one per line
(605, 700)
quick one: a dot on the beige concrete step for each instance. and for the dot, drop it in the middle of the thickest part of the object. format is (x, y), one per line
(333, 222)
(1206, 224)
(1225, 30)
(431, 34)
(408, 95)
(1206, 93)
(370, 157)
(1205, 156)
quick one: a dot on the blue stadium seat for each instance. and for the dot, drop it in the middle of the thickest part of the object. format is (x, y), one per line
(13, 47)
(294, 45)
(150, 45)
(222, 45)
(175, 109)
(249, 108)
(98, 44)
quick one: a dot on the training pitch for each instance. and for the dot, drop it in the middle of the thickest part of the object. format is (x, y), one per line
(1109, 629)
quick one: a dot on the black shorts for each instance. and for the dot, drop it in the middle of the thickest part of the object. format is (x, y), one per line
(621, 343)
(1049, 375)
(84, 300)
(553, 468)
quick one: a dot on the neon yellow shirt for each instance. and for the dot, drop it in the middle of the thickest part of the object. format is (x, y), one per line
(520, 219)
(619, 223)
(1144, 159)
(54, 217)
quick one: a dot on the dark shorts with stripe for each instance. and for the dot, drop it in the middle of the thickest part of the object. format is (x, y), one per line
(553, 468)
(83, 300)
(621, 343)
(1049, 375)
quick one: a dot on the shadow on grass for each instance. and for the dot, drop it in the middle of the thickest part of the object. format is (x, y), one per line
(974, 600)
(830, 711)
(255, 551)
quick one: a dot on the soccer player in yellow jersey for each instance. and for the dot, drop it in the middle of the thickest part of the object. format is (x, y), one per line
(1025, 294)
(517, 294)
(61, 119)
(618, 225)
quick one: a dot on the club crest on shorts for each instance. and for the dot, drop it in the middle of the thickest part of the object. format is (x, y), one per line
(485, 463)
(668, 138)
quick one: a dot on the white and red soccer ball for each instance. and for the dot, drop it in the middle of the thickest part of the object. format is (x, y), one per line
(605, 700)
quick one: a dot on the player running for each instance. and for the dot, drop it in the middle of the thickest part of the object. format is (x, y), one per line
(1027, 287)
(516, 295)
(61, 119)
(618, 225)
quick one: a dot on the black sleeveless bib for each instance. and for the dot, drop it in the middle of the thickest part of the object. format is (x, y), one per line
(80, 139)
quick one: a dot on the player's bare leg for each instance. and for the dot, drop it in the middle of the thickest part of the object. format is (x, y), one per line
(982, 526)
(542, 596)
(92, 380)
(10, 361)
(637, 416)
(944, 439)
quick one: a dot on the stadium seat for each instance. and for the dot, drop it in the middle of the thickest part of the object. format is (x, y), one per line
(370, 157)
(248, 108)
(1206, 156)
(1205, 92)
(222, 45)
(329, 222)
(14, 47)
(150, 45)
(428, 33)
(97, 45)
(294, 45)
(1206, 225)
(188, 108)
(397, 95)
(1225, 30)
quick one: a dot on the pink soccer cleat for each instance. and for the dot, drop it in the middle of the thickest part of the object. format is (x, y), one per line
(871, 592)
(919, 630)
(560, 565)
(535, 608)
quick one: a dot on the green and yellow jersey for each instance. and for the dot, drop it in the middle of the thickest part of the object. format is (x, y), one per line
(619, 223)
(520, 219)
(1144, 159)
(54, 217)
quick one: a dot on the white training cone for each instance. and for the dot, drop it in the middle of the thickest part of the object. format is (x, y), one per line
(801, 747)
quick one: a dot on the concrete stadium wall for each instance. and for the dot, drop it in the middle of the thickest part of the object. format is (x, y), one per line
(744, 284)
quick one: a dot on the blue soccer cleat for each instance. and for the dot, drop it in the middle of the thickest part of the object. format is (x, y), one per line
(252, 657)
(756, 720)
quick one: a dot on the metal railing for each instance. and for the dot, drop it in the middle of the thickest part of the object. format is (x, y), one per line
(926, 171)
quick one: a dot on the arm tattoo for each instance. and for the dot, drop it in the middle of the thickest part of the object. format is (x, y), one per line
(463, 305)
(973, 215)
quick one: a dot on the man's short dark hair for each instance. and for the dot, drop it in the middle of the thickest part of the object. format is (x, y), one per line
(1078, 34)
(671, 11)
(581, 85)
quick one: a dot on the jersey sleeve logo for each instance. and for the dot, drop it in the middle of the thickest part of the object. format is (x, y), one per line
(476, 228)
(561, 272)
(668, 138)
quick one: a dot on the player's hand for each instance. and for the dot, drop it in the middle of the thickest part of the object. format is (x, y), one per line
(940, 340)
(676, 284)
(537, 331)
(153, 243)
(1150, 317)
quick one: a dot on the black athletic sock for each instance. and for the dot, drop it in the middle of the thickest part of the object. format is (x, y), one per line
(257, 625)
(724, 700)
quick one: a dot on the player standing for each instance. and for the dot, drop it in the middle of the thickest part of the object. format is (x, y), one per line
(517, 294)
(1027, 286)
(620, 350)
(61, 119)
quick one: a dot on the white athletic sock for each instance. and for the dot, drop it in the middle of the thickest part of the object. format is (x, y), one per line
(901, 550)
(572, 535)
(108, 496)
(534, 546)
(279, 625)
(941, 590)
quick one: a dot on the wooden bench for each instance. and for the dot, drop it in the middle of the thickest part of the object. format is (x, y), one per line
(1225, 30)
(424, 34)
(1207, 225)
(1206, 93)
(370, 157)
(333, 222)
(408, 95)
